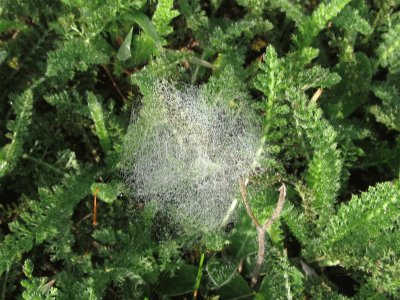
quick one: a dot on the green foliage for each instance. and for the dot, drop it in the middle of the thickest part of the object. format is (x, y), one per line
(324, 168)
(11, 153)
(312, 25)
(145, 23)
(237, 286)
(293, 10)
(220, 271)
(99, 123)
(282, 280)
(108, 192)
(387, 54)
(155, 31)
(163, 16)
(270, 82)
(347, 241)
(72, 56)
(35, 288)
(389, 112)
(46, 221)
(350, 20)
(181, 282)
(318, 79)
(351, 92)
(124, 51)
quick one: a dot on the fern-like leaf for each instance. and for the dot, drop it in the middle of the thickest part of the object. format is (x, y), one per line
(74, 55)
(45, 220)
(389, 112)
(323, 174)
(388, 54)
(11, 152)
(163, 16)
(354, 236)
(96, 111)
(292, 10)
(312, 25)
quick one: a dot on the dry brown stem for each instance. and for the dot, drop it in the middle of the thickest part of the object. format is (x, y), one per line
(261, 229)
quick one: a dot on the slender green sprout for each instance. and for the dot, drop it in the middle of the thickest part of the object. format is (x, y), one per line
(199, 275)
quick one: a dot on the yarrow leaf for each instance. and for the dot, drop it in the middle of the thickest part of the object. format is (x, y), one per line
(11, 152)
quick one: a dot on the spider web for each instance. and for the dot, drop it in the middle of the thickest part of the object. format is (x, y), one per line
(186, 153)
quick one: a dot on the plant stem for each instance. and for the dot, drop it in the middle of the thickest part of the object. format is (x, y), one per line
(199, 274)
(261, 229)
(260, 255)
(43, 163)
(197, 67)
(243, 191)
(3, 291)
(95, 208)
(108, 73)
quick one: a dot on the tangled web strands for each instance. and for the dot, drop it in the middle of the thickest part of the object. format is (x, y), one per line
(187, 153)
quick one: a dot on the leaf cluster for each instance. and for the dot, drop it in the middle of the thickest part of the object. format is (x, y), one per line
(323, 78)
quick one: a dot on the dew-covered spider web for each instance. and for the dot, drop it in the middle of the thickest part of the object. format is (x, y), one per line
(186, 153)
